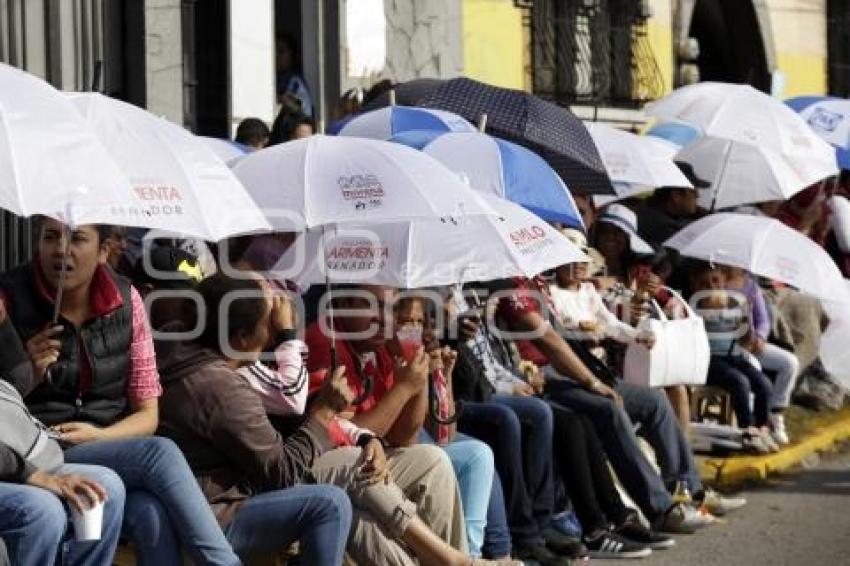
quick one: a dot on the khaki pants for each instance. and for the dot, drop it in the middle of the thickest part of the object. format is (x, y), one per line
(423, 484)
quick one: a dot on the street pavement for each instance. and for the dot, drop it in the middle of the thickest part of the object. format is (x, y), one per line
(802, 517)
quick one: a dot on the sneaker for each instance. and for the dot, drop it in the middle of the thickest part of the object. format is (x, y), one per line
(684, 519)
(634, 530)
(777, 429)
(767, 438)
(719, 505)
(538, 553)
(612, 545)
(754, 443)
(564, 545)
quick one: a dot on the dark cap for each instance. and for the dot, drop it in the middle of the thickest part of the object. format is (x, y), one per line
(688, 171)
(168, 268)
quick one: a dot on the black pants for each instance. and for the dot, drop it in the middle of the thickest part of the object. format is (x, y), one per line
(580, 461)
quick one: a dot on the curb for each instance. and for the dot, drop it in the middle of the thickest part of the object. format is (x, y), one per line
(733, 471)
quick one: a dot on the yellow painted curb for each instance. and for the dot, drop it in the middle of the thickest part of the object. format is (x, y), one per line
(728, 472)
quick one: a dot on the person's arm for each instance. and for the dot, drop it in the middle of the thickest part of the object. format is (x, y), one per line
(13, 467)
(760, 314)
(15, 363)
(283, 390)
(561, 356)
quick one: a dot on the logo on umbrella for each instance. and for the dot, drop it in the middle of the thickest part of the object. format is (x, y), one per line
(358, 255)
(825, 120)
(530, 240)
(365, 190)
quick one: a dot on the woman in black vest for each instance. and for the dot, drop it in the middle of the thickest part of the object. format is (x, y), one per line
(92, 377)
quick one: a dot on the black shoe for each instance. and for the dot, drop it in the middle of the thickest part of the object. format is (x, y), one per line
(611, 545)
(540, 554)
(634, 530)
(564, 545)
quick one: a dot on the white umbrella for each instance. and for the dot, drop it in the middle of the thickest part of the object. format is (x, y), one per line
(326, 180)
(763, 246)
(179, 184)
(50, 161)
(426, 252)
(745, 128)
(226, 150)
(641, 162)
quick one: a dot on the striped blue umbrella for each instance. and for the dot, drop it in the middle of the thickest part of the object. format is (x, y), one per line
(384, 123)
(499, 167)
(830, 119)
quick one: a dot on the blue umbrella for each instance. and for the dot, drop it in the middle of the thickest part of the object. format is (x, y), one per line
(502, 168)
(384, 123)
(678, 133)
(830, 118)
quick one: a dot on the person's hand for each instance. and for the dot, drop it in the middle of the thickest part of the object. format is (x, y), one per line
(604, 391)
(335, 395)
(757, 345)
(413, 375)
(3, 313)
(373, 463)
(78, 491)
(468, 327)
(647, 338)
(282, 316)
(448, 358)
(78, 433)
(523, 389)
(533, 375)
(43, 350)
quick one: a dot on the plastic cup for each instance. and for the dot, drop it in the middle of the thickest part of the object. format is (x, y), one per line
(409, 340)
(89, 523)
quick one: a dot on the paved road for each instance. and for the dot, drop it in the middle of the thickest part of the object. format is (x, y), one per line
(799, 518)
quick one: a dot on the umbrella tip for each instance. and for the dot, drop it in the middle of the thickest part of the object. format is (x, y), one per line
(392, 96)
(482, 123)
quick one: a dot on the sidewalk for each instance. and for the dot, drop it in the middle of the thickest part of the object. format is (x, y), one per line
(816, 432)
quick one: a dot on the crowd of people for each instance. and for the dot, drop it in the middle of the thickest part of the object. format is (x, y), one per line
(487, 424)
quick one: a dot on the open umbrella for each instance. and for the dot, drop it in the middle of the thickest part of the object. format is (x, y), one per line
(384, 123)
(227, 150)
(763, 246)
(51, 163)
(640, 161)
(501, 168)
(179, 183)
(830, 119)
(745, 129)
(328, 180)
(549, 130)
(430, 251)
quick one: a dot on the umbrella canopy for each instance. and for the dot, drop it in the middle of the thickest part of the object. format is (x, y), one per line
(501, 168)
(226, 150)
(640, 161)
(549, 130)
(327, 179)
(51, 163)
(384, 123)
(426, 252)
(830, 119)
(763, 246)
(179, 183)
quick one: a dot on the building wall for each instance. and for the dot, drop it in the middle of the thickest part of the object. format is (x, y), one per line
(799, 31)
(164, 59)
(660, 29)
(494, 43)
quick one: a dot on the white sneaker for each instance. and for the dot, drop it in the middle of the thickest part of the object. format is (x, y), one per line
(717, 504)
(684, 519)
(778, 430)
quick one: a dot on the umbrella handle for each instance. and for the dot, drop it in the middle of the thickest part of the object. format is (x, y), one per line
(367, 391)
(434, 406)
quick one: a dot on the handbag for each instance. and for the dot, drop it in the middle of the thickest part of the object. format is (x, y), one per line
(680, 355)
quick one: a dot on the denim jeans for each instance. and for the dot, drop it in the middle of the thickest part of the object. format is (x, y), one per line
(317, 515)
(519, 431)
(497, 535)
(472, 461)
(164, 502)
(34, 522)
(740, 378)
(615, 430)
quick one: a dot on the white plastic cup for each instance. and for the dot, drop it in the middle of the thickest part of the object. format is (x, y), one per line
(89, 523)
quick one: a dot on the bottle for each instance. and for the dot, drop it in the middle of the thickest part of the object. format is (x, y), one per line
(682, 493)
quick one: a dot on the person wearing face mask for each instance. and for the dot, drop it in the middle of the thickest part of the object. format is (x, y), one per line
(91, 375)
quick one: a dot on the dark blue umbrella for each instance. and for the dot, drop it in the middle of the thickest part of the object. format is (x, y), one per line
(549, 130)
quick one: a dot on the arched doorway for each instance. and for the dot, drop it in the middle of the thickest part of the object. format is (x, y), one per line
(735, 40)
